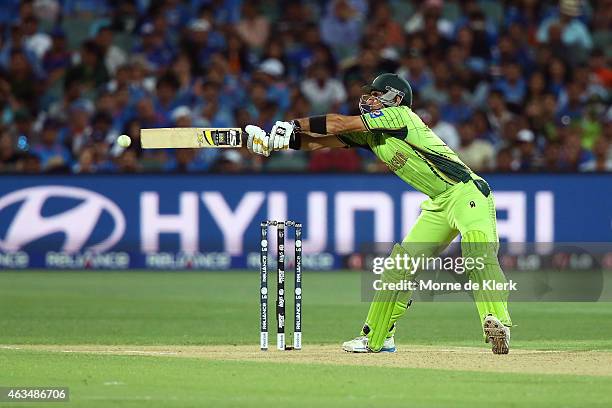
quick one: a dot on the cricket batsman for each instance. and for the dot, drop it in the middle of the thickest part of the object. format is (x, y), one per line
(460, 201)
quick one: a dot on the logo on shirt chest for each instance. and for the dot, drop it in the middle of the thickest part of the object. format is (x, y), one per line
(398, 161)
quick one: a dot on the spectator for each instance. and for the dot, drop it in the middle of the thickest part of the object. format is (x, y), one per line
(182, 161)
(79, 8)
(269, 115)
(498, 114)
(153, 47)
(289, 161)
(573, 108)
(90, 71)
(341, 27)
(36, 41)
(23, 125)
(457, 63)
(589, 84)
(430, 9)
(102, 159)
(166, 95)
(102, 122)
(198, 45)
(238, 55)
(444, 130)
(258, 98)
(365, 68)
(211, 113)
(552, 157)
(436, 41)
(524, 16)
(599, 68)
(591, 124)
(512, 85)
(478, 154)
(335, 160)
(253, 27)
(7, 103)
(128, 162)
(77, 133)
(187, 81)
(557, 48)
(52, 154)
(57, 58)
(527, 158)
(543, 72)
(558, 75)
(22, 80)
(113, 56)
(148, 116)
(28, 163)
(436, 91)
(270, 72)
(414, 70)
(140, 78)
(505, 162)
(602, 157)
(484, 33)
(176, 13)
(457, 108)
(324, 93)
(573, 31)
(230, 161)
(8, 155)
(572, 154)
(513, 47)
(385, 27)
(72, 96)
(536, 86)
(476, 55)
(482, 127)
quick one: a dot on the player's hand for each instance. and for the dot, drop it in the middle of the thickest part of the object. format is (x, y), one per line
(258, 141)
(280, 135)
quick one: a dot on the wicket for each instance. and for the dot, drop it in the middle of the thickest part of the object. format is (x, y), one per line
(280, 285)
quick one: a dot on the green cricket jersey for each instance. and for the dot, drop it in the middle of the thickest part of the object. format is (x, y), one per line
(410, 149)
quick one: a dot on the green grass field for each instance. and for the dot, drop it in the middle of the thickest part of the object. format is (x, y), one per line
(133, 339)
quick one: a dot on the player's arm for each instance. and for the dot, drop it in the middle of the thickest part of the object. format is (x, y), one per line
(330, 124)
(259, 142)
(387, 120)
(313, 141)
(352, 131)
(315, 132)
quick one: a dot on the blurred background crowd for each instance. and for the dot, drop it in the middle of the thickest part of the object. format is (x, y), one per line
(518, 85)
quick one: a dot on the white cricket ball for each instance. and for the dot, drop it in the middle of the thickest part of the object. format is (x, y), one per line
(124, 141)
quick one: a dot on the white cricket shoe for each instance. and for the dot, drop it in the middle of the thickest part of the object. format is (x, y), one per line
(360, 345)
(497, 334)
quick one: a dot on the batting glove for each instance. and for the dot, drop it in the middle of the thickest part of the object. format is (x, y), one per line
(280, 135)
(258, 141)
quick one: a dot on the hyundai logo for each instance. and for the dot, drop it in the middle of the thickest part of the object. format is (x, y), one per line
(77, 223)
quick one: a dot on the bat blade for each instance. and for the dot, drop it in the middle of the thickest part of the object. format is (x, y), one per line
(190, 138)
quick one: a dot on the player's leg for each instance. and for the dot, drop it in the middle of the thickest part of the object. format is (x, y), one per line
(429, 236)
(472, 212)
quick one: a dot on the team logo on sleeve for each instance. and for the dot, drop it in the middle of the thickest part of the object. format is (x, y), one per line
(376, 114)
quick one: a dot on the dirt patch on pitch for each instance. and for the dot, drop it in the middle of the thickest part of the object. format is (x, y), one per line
(597, 363)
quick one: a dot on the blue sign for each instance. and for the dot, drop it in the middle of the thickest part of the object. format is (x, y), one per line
(211, 221)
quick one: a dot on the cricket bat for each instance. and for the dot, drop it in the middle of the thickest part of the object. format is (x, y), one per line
(190, 138)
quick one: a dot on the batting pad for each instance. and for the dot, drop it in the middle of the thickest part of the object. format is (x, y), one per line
(387, 307)
(495, 302)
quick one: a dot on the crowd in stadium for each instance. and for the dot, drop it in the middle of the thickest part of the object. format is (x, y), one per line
(510, 85)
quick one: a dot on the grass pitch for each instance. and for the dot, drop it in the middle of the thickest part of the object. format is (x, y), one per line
(132, 339)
